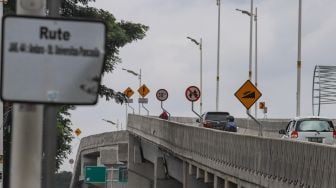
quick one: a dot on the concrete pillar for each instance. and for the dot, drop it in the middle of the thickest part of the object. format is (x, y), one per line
(189, 177)
(218, 182)
(87, 161)
(185, 174)
(231, 185)
(161, 178)
(208, 177)
(140, 172)
(199, 173)
(192, 169)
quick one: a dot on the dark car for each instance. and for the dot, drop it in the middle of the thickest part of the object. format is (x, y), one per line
(215, 120)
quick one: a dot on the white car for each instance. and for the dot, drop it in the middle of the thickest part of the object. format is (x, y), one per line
(312, 129)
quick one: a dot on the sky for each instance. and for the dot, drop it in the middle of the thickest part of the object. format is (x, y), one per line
(168, 60)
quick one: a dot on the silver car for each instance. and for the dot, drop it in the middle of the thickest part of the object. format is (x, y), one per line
(311, 129)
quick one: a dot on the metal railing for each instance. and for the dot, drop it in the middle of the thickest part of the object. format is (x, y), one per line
(324, 87)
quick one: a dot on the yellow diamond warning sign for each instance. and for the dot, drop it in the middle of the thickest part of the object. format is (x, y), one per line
(128, 92)
(143, 90)
(78, 132)
(248, 94)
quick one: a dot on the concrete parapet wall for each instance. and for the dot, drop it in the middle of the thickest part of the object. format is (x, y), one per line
(253, 159)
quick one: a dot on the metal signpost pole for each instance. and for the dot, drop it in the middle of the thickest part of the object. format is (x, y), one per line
(26, 154)
(260, 125)
(192, 109)
(50, 126)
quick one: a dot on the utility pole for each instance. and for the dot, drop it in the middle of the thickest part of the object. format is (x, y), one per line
(26, 154)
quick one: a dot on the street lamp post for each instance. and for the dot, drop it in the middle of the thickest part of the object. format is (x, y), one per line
(113, 123)
(139, 77)
(256, 58)
(256, 49)
(251, 33)
(298, 89)
(201, 68)
(218, 49)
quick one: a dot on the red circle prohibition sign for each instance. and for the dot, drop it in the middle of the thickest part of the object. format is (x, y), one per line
(192, 93)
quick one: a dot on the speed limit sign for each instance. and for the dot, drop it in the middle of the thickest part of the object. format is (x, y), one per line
(162, 94)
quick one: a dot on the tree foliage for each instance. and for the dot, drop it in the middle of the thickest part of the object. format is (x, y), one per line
(119, 33)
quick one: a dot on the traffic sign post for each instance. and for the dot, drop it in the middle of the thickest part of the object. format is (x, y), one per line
(143, 91)
(128, 92)
(77, 52)
(162, 95)
(192, 93)
(78, 132)
(248, 94)
(262, 105)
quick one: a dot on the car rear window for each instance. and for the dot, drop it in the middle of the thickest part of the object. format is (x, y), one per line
(217, 116)
(315, 125)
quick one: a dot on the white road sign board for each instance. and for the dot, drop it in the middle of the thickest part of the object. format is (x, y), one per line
(51, 60)
(143, 100)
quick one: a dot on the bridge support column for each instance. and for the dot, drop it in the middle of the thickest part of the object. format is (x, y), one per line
(87, 161)
(189, 177)
(218, 182)
(161, 177)
(140, 172)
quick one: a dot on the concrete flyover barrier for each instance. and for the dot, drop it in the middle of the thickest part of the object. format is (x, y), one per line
(105, 148)
(259, 160)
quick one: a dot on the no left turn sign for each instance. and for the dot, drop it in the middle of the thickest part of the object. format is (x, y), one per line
(192, 93)
(162, 94)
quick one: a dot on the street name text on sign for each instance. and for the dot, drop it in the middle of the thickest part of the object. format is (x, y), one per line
(192, 93)
(52, 60)
(248, 94)
(162, 94)
(143, 90)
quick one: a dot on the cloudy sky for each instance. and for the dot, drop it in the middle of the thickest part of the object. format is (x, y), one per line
(169, 60)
